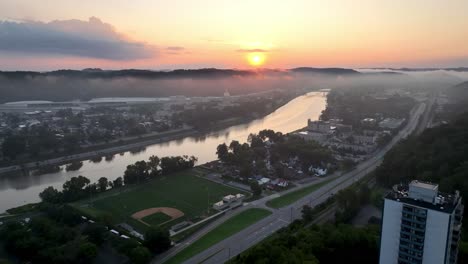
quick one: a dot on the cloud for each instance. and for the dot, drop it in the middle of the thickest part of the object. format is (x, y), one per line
(252, 50)
(175, 48)
(91, 39)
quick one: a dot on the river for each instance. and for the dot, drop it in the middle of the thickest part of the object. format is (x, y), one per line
(16, 190)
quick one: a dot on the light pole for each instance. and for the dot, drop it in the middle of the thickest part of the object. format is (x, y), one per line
(291, 214)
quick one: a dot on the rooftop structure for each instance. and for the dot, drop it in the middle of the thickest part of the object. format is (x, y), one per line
(229, 201)
(425, 195)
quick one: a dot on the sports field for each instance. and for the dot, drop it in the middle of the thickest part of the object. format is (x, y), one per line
(156, 219)
(186, 193)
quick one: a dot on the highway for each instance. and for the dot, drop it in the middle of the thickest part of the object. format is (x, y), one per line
(236, 244)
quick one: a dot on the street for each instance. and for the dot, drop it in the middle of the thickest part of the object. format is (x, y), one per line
(236, 244)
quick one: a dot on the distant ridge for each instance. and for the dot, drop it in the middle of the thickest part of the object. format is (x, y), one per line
(337, 71)
(99, 73)
(458, 69)
(179, 73)
(66, 85)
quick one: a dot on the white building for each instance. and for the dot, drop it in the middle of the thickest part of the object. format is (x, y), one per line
(420, 225)
(229, 201)
(311, 135)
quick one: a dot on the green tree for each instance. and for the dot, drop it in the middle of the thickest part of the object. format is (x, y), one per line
(71, 142)
(245, 171)
(96, 233)
(73, 189)
(256, 188)
(13, 146)
(223, 152)
(87, 251)
(103, 183)
(118, 182)
(157, 240)
(134, 174)
(51, 195)
(153, 165)
(255, 141)
(140, 255)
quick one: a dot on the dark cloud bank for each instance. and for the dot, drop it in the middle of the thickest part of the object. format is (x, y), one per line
(92, 39)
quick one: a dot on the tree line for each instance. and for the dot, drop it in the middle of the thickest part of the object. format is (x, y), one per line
(272, 147)
(60, 235)
(323, 244)
(81, 187)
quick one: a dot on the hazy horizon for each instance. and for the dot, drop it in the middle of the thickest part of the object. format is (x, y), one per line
(48, 35)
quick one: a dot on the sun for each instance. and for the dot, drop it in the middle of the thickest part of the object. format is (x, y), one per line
(256, 59)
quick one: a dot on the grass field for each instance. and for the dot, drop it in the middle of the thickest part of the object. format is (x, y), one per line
(223, 231)
(156, 219)
(194, 196)
(291, 197)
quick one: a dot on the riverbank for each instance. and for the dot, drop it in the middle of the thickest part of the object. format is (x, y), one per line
(103, 150)
(119, 146)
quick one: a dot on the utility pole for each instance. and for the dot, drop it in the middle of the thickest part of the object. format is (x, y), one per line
(291, 214)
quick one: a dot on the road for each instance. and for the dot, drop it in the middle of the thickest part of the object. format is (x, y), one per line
(426, 118)
(236, 244)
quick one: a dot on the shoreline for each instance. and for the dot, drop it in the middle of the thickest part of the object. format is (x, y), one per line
(111, 149)
(123, 146)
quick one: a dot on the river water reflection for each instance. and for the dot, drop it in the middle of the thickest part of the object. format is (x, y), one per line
(18, 189)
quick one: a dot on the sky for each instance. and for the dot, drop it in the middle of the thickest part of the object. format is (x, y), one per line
(163, 34)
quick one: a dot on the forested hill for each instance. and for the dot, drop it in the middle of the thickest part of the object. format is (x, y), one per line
(337, 71)
(130, 73)
(179, 73)
(66, 85)
(438, 155)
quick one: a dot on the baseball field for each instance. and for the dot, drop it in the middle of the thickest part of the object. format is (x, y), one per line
(163, 201)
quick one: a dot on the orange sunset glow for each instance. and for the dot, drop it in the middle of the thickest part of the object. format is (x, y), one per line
(234, 34)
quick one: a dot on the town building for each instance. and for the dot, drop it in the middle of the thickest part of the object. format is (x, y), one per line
(229, 201)
(318, 126)
(391, 123)
(420, 225)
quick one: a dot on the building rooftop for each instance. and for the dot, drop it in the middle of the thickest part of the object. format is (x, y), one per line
(425, 195)
(425, 185)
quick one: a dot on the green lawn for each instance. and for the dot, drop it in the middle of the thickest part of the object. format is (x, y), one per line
(291, 197)
(23, 208)
(194, 196)
(156, 219)
(223, 231)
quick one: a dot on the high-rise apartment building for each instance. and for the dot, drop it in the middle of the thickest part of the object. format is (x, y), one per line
(420, 225)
